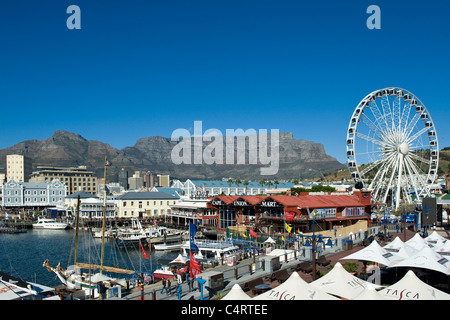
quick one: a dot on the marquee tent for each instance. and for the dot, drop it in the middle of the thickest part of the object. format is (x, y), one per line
(269, 240)
(369, 293)
(375, 253)
(410, 287)
(400, 248)
(236, 293)
(444, 250)
(417, 242)
(435, 238)
(341, 283)
(426, 259)
(295, 288)
(180, 259)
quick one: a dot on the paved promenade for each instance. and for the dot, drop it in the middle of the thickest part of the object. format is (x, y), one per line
(153, 291)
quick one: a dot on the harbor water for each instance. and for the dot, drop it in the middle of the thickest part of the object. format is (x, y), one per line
(22, 254)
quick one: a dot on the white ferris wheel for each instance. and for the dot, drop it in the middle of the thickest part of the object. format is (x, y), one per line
(392, 147)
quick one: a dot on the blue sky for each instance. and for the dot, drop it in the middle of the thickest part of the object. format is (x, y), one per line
(144, 68)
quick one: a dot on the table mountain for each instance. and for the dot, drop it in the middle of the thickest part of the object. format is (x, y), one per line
(297, 157)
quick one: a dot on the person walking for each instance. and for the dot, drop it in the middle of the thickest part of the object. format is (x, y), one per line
(164, 283)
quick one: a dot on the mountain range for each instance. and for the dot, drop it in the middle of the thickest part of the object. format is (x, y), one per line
(298, 158)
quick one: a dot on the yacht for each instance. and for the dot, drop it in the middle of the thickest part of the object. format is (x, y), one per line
(45, 223)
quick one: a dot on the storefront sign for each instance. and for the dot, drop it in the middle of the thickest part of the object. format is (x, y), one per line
(216, 202)
(240, 203)
(269, 204)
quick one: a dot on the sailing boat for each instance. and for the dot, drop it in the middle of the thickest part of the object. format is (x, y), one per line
(73, 278)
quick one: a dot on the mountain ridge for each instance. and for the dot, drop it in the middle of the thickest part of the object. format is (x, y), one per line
(298, 158)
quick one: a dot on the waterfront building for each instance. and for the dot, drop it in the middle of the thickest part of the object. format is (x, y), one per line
(33, 195)
(195, 211)
(75, 178)
(18, 168)
(201, 188)
(270, 213)
(145, 204)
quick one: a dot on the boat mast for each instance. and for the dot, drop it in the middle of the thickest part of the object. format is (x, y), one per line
(76, 230)
(104, 213)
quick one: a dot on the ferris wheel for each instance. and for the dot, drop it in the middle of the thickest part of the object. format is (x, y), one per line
(392, 147)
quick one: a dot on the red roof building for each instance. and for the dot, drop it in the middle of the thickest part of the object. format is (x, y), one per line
(269, 213)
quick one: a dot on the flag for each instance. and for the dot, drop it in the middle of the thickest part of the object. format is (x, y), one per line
(107, 162)
(192, 232)
(282, 238)
(194, 267)
(253, 233)
(245, 236)
(143, 251)
(288, 227)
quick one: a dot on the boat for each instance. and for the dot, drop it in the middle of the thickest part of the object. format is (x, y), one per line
(212, 250)
(133, 235)
(93, 284)
(47, 223)
(169, 246)
(164, 272)
(12, 288)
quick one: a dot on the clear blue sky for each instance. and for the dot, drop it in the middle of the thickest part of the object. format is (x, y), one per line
(144, 68)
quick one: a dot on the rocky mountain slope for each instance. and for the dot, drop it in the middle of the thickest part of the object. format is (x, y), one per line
(298, 158)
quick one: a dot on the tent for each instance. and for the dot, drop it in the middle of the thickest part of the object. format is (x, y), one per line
(410, 287)
(435, 238)
(426, 259)
(400, 248)
(369, 293)
(375, 253)
(417, 242)
(269, 240)
(444, 250)
(394, 245)
(236, 293)
(295, 288)
(341, 283)
(180, 260)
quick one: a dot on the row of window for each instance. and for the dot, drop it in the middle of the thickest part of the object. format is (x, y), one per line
(140, 203)
(33, 200)
(148, 212)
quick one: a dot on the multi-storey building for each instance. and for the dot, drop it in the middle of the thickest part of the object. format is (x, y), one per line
(76, 179)
(18, 167)
(33, 195)
(145, 204)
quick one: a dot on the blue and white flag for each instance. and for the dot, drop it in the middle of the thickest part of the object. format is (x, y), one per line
(192, 232)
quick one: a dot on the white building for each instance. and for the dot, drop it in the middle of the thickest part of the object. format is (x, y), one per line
(18, 167)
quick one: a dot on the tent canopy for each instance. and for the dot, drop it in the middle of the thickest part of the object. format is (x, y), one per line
(295, 288)
(369, 293)
(341, 283)
(180, 260)
(236, 293)
(410, 287)
(426, 259)
(375, 253)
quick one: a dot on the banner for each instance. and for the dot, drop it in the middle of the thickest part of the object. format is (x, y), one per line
(289, 215)
(192, 232)
(253, 233)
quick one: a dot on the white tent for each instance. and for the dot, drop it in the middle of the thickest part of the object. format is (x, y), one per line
(180, 259)
(341, 283)
(295, 288)
(369, 293)
(417, 242)
(410, 287)
(269, 240)
(435, 238)
(400, 248)
(444, 249)
(394, 245)
(236, 293)
(426, 259)
(375, 253)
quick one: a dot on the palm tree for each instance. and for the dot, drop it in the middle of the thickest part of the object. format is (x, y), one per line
(246, 184)
(262, 183)
(238, 182)
(295, 182)
(230, 181)
(269, 183)
(276, 182)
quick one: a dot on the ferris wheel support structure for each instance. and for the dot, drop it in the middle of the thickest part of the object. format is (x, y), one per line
(392, 147)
